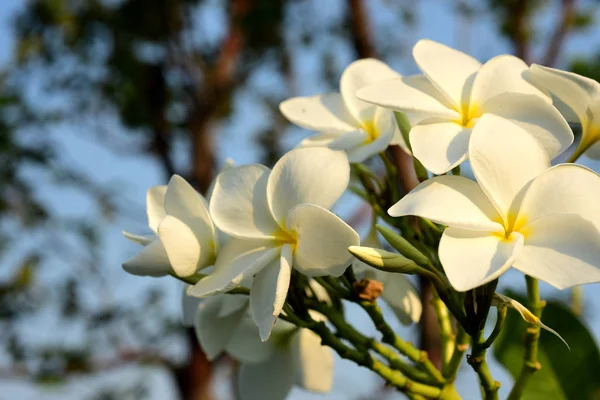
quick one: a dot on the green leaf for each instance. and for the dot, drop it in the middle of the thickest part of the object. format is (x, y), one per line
(565, 375)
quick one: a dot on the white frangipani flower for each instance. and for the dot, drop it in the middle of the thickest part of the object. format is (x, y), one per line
(453, 94)
(184, 240)
(581, 95)
(343, 121)
(268, 370)
(398, 291)
(279, 219)
(542, 221)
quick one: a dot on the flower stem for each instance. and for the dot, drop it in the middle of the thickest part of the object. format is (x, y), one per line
(447, 334)
(532, 336)
(461, 346)
(502, 309)
(477, 360)
(389, 336)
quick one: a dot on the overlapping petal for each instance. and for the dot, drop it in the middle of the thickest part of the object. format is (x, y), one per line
(440, 145)
(502, 74)
(402, 296)
(573, 90)
(357, 75)
(186, 254)
(449, 70)
(239, 203)
(214, 333)
(562, 250)
(238, 259)
(411, 94)
(151, 260)
(245, 344)
(563, 189)
(155, 205)
(536, 116)
(306, 175)
(324, 113)
(322, 241)
(269, 380)
(143, 240)
(471, 259)
(269, 291)
(505, 158)
(453, 201)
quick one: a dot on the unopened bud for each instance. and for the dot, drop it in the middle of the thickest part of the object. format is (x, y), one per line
(403, 246)
(384, 260)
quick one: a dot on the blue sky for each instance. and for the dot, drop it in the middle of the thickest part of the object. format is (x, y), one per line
(134, 174)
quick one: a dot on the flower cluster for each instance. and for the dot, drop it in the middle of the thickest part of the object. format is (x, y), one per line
(279, 237)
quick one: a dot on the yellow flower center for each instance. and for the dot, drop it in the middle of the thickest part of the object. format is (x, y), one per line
(371, 130)
(469, 113)
(283, 237)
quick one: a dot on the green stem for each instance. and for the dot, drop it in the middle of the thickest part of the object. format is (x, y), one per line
(389, 336)
(577, 300)
(501, 309)
(532, 336)
(446, 332)
(390, 172)
(461, 346)
(478, 362)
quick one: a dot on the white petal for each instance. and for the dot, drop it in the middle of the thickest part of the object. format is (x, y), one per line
(314, 362)
(471, 259)
(358, 75)
(562, 250)
(414, 95)
(143, 240)
(573, 90)
(505, 159)
(385, 125)
(402, 296)
(502, 74)
(152, 260)
(189, 306)
(536, 116)
(245, 344)
(315, 175)
(185, 253)
(213, 333)
(185, 203)
(238, 259)
(232, 303)
(450, 200)
(321, 140)
(324, 113)
(322, 241)
(450, 70)
(155, 205)
(269, 380)
(239, 203)
(348, 140)
(563, 189)
(440, 146)
(269, 291)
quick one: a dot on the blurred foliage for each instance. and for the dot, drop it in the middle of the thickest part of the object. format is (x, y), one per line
(565, 374)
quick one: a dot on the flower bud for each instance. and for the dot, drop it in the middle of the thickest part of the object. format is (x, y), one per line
(384, 260)
(403, 246)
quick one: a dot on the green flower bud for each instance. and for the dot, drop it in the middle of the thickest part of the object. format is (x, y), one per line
(403, 246)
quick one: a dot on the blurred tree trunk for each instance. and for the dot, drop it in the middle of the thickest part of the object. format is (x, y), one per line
(363, 45)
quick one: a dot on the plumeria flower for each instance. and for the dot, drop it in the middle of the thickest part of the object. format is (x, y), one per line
(454, 92)
(345, 122)
(398, 291)
(185, 239)
(268, 370)
(542, 221)
(278, 220)
(581, 95)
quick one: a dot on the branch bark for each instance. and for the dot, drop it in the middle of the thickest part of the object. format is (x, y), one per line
(565, 21)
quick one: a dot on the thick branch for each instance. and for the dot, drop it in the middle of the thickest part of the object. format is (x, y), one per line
(565, 21)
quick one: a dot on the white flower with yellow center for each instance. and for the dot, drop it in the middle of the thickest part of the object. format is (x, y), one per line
(343, 121)
(581, 95)
(185, 239)
(268, 370)
(455, 91)
(279, 219)
(542, 221)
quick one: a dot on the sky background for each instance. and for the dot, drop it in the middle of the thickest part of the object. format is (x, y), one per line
(133, 175)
